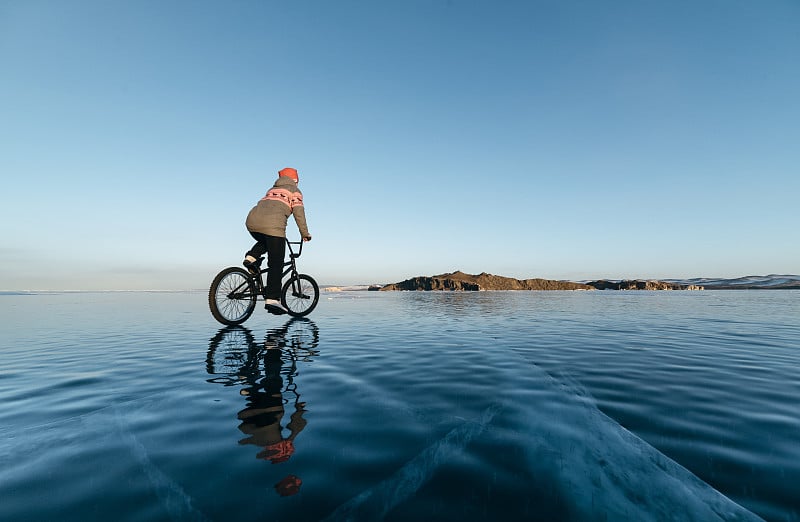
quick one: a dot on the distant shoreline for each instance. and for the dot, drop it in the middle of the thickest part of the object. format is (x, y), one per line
(460, 281)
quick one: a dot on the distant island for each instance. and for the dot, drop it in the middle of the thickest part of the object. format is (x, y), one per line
(460, 281)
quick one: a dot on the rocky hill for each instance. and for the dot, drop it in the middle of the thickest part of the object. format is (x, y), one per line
(460, 281)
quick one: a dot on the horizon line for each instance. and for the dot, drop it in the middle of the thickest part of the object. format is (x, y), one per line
(366, 285)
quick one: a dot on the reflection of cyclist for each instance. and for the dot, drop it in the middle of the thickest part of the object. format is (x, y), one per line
(266, 222)
(234, 358)
(261, 419)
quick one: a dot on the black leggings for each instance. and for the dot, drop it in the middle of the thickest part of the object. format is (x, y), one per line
(275, 248)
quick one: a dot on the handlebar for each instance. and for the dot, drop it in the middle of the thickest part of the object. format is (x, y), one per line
(291, 251)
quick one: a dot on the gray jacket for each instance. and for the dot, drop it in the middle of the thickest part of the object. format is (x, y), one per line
(270, 215)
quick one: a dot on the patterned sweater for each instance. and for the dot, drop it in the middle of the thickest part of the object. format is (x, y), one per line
(270, 215)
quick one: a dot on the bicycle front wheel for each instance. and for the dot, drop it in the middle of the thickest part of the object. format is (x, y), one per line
(300, 295)
(232, 296)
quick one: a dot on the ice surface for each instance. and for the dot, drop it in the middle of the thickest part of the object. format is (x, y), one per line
(601, 470)
(607, 473)
(375, 503)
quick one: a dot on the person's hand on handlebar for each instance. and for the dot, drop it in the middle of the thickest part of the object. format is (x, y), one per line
(307, 238)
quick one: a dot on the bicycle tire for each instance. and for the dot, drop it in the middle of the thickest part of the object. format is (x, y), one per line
(302, 303)
(232, 296)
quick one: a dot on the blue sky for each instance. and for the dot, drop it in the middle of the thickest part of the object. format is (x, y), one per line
(555, 139)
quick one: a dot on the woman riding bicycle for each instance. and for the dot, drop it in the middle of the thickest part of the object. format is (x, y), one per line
(266, 222)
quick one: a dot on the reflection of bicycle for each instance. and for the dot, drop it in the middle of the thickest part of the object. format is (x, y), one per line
(234, 355)
(234, 291)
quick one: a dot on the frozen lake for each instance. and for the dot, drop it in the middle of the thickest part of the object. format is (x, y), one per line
(403, 406)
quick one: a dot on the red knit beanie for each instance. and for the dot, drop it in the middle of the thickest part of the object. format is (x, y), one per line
(289, 172)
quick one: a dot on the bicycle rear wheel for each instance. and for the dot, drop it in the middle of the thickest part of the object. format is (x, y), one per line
(232, 296)
(300, 295)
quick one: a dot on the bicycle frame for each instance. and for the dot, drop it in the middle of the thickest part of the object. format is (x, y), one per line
(291, 269)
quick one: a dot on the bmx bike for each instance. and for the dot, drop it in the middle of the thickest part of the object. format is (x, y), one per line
(235, 291)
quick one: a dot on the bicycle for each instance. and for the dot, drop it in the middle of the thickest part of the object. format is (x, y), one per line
(235, 291)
